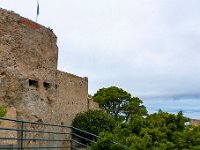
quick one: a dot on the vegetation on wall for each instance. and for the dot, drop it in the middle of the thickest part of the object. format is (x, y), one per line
(3, 111)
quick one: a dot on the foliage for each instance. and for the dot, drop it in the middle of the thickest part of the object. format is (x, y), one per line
(93, 121)
(3, 111)
(158, 131)
(138, 130)
(106, 143)
(188, 139)
(119, 103)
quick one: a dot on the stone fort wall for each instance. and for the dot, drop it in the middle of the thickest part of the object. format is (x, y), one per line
(29, 80)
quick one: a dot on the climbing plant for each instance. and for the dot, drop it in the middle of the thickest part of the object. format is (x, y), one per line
(3, 111)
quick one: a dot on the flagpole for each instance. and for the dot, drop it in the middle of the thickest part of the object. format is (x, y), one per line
(37, 10)
(36, 18)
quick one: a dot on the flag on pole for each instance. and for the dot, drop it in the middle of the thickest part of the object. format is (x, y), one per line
(38, 10)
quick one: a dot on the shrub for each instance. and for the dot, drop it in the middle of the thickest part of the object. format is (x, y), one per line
(106, 142)
(93, 121)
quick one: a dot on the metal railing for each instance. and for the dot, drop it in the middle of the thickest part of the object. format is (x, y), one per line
(20, 134)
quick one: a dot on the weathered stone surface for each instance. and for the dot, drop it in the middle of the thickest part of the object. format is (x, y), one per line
(29, 47)
(12, 85)
(29, 79)
(92, 105)
(11, 113)
(72, 95)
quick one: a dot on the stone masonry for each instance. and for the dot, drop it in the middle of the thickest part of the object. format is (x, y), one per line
(30, 83)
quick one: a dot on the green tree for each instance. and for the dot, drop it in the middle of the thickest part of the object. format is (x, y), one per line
(137, 123)
(133, 107)
(158, 131)
(119, 103)
(93, 121)
(167, 123)
(188, 138)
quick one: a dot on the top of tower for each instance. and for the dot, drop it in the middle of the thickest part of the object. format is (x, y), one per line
(26, 42)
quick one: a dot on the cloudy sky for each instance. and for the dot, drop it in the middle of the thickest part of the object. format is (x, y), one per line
(151, 48)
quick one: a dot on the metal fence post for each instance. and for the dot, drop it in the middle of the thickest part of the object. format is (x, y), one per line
(71, 138)
(22, 134)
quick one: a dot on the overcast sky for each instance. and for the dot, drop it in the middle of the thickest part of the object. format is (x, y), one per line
(151, 48)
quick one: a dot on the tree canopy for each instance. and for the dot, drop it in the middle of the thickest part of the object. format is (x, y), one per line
(158, 131)
(137, 130)
(119, 103)
(93, 121)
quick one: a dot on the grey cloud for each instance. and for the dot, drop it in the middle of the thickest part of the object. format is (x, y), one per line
(148, 47)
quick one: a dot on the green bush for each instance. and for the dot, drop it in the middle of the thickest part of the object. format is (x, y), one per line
(3, 111)
(93, 121)
(106, 143)
(158, 131)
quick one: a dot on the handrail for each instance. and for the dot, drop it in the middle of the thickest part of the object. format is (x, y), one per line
(40, 131)
(84, 132)
(37, 139)
(31, 122)
(22, 138)
(33, 147)
(83, 138)
(47, 124)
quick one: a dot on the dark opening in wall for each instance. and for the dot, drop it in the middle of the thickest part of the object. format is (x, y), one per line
(33, 83)
(47, 85)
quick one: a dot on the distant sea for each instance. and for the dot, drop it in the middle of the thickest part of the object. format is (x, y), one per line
(190, 107)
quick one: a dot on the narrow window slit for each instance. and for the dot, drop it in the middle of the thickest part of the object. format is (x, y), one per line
(33, 83)
(47, 85)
